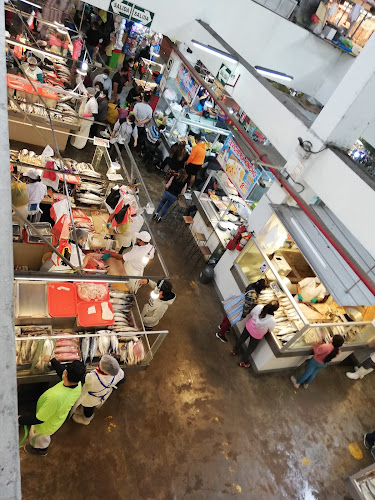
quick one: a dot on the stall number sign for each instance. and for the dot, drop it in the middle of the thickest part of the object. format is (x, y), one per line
(186, 84)
(240, 170)
(132, 12)
(223, 74)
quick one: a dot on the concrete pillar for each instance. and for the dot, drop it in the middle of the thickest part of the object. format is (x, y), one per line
(349, 110)
(10, 481)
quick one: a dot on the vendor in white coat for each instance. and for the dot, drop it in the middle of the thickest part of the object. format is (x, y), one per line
(137, 259)
(156, 307)
(36, 189)
(30, 69)
(89, 112)
(310, 290)
(97, 388)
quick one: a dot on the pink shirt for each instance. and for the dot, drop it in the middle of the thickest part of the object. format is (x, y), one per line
(321, 351)
(258, 327)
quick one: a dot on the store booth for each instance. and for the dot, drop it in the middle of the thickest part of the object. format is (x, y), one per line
(287, 250)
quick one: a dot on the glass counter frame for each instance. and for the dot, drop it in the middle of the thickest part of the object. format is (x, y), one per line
(289, 347)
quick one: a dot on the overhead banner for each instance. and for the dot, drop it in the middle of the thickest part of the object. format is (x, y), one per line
(186, 84)
(240, 170)
(132, 12)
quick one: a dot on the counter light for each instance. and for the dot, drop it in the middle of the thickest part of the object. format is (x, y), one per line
(31, 3)
(272, 73)
(214, 51)
(155, 292)
(62, 31)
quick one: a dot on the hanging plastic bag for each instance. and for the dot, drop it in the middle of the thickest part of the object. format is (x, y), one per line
(47, 155)
(20, 196)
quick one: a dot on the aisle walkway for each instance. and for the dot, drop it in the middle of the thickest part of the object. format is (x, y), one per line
(194, 426)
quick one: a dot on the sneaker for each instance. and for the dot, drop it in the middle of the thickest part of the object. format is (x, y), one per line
(81, 419)
(352, 375)
(366, 443)
(105, 134)
(242, 364)
(356, 368)
(305, 386)
(42, 452)
(158, 219)
(221, 337)
(294, 382)
(155, 216)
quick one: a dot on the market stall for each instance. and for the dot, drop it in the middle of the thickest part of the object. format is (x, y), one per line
(287, 251)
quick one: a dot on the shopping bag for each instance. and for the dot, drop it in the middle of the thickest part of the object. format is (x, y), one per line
(233, 306)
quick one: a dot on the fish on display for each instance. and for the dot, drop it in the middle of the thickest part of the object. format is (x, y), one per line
(115, 344)
(85, 347)
(104, 343)
(93, 344)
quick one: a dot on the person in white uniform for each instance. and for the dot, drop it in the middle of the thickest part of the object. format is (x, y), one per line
(30, 69)
(106, 81)
(310, 290)
(89, 112)
(137, 258)
(97, 388)
(36, 189)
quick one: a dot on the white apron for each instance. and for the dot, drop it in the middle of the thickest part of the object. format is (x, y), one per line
(80, 142)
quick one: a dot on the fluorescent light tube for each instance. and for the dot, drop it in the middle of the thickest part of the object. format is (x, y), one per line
(307, 241)
(214, 51)
(31, 3)
(272, 73)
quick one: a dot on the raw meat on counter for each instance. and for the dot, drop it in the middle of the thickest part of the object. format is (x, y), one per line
(67, 349)
(92, 291)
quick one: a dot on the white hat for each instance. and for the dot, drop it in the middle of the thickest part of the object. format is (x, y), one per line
(32, 173)
(91, 91)
(32, 60)
(144, 236)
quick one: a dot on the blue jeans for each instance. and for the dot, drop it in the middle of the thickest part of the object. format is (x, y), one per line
(167, 200)
(313, 368)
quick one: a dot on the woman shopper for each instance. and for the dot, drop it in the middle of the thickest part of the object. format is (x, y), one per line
(175, 188)
(102, 101)
(176, 159)
(260, 322)
(123, 130)
(251, 299)
(323, 354)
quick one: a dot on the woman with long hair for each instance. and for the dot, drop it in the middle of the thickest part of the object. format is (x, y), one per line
(323, 354)
(176, 160)
(251, 299)
(175, 188)
(260, 322)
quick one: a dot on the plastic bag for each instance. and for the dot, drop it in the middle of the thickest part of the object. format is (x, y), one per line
(47, 154)
(20, 196)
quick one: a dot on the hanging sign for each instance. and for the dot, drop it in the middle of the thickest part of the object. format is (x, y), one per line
(132, 12)
(240, 170)
(186, 84)
(223, 74)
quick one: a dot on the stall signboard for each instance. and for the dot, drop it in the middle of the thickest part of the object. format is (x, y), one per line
(186, 84)
(240, 170)
(132, 12)
(223, 74)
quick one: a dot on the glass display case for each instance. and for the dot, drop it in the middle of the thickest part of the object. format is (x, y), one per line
(299, 325)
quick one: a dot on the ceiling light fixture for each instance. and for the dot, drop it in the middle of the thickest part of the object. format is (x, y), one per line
(214, 51)
(272, 73)
(31, 3)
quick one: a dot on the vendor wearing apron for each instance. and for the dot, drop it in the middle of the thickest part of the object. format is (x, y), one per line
(134, 261)
(91, 109)
(53, 407)
(31, 70)
(310, 290)
(36, 189)
(71, 252)
(97, 388)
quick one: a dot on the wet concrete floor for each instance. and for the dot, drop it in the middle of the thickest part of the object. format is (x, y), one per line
(195, 426)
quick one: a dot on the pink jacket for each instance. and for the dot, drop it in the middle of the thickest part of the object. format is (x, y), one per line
(321, 351)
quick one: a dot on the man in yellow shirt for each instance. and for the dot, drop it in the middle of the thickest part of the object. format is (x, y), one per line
(196, 159)
(53, 407)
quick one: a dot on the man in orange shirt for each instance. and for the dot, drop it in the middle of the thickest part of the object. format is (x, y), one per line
(196, 159)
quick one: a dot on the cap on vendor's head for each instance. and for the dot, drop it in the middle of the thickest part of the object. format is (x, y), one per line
(32, 174)
(91, 91)
(109, 365)
(32, 60)
(144, 236)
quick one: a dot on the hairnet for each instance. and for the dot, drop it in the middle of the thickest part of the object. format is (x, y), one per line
(32, 60)
(109, 365)
(91, 91)
(32, 173)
